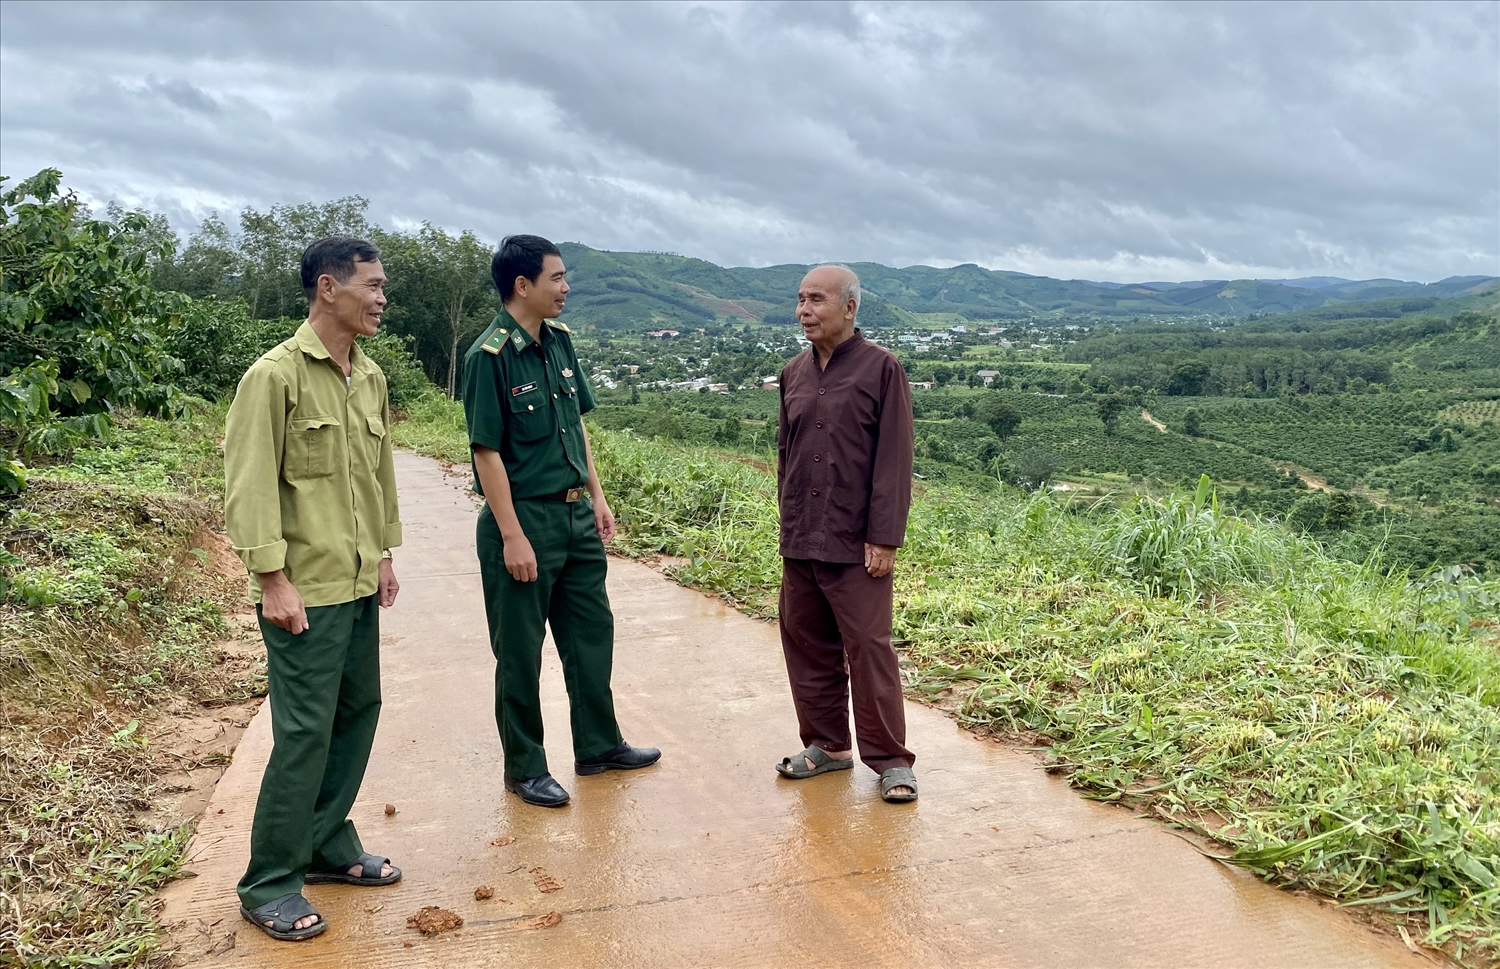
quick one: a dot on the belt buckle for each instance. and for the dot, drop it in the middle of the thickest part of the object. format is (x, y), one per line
(574, 494)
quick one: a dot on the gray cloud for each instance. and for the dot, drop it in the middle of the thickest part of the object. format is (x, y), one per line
(1100, 141)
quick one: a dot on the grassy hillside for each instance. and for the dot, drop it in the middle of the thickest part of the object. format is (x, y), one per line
(112, 602)
(1333, 727)
(636, 289)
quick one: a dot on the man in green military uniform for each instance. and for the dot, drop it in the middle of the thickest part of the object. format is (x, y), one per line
(542, 530)
(310, 503)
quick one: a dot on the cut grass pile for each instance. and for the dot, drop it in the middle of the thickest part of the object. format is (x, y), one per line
(108, 609)
(1334, 727)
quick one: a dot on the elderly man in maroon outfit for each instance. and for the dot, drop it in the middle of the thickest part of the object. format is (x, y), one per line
(843, 475)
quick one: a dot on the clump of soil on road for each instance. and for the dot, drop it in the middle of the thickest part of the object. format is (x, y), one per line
(432, 919)
(546, 883)
(545, 921)
(483, 892)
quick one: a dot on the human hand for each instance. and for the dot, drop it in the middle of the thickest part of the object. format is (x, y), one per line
(879, 560)
(520, 560)
(604, 518)
(387, 585)
(281, 604)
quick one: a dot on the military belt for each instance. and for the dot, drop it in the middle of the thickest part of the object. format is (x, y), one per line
(567, 494)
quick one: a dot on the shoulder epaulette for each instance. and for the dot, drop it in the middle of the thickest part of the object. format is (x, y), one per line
(496, 341)
(559, 325)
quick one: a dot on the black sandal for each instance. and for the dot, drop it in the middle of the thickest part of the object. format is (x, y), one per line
(283, 914)
(367, 864)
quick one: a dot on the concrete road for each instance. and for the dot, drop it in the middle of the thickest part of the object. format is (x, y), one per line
(709, 859)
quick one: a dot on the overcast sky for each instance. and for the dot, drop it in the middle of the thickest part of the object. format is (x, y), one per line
(1117, 141)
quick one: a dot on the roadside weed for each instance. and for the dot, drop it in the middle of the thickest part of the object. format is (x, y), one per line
(1334, 726)
(108, 609)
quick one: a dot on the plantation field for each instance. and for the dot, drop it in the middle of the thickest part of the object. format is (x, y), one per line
(1423, 485)
(1334, 727)
(1473, 412)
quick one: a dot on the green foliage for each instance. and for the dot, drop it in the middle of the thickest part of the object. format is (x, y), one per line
(1032, 469)
(1109, 408)
(1287, 356)
(1145, 687)
(84, 332)
(1002, 418)
(1334, 726)
(441, 295)
(1192, 422)
(1174, 657)
(217, 342)
(108, 607)
(434, 425)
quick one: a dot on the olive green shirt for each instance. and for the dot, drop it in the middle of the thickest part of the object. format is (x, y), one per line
(310, 483)
(525, 399)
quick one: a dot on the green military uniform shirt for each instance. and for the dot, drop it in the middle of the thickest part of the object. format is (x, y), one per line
(525, 399)
(310, 482)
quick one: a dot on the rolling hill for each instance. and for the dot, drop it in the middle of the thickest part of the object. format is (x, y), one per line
(633, 290)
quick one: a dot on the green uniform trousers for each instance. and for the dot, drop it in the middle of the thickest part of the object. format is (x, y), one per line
(569, 594)
(325, 702)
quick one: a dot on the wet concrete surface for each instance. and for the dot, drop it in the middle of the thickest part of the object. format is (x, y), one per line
(710, 859)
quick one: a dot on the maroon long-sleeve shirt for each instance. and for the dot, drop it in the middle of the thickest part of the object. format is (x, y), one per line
(844, 448)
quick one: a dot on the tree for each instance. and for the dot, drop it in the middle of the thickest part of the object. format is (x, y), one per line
(1001, 417)
(1192, 422)
(1343, 511)
(271, 244)
(1187, 379)
(454, 280)
(729, 431)
(1034, 468)
(83, 331)
(1109, 408)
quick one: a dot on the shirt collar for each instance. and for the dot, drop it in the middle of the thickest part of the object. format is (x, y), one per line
(518, 337)
(858, 336)
(309, 343)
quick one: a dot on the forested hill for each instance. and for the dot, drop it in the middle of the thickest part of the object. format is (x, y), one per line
(632, 289)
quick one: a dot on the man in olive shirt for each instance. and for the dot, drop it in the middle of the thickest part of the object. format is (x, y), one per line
(542, 530)
(311, 510)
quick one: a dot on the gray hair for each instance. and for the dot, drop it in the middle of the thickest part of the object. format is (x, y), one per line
(850, 289)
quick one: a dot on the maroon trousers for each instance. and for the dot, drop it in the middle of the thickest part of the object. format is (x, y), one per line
(836, 633)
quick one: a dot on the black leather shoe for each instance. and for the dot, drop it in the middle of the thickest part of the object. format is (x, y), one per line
(542, 791)
(623, 757)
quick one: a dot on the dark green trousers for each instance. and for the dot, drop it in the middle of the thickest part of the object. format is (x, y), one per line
(568, 594)
(325, 702)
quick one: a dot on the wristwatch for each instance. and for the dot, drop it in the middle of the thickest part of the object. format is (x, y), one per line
(386, 554)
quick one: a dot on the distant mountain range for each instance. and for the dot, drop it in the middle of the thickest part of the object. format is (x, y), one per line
(635, 289)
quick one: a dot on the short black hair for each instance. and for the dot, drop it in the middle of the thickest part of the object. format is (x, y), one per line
(519, 256)
(334, 256)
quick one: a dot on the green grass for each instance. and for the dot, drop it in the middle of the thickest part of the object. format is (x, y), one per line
(107, 611)
(1335, 727)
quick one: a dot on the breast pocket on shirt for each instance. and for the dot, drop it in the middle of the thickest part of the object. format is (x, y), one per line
(311, 447)
(568, 410)
(374, 439)
(530, 417)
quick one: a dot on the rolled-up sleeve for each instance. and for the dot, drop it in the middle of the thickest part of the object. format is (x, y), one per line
(385, 474)
(254, 441)
(890, 480)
